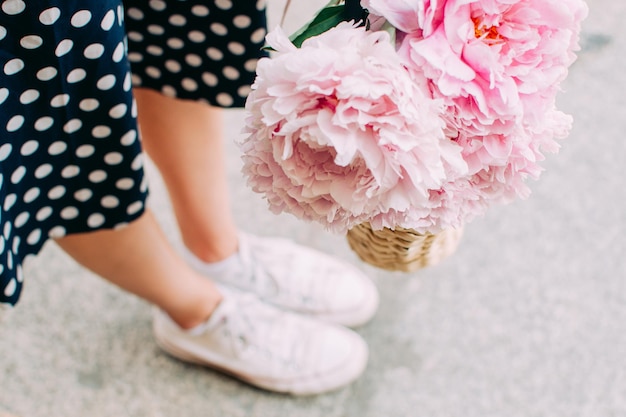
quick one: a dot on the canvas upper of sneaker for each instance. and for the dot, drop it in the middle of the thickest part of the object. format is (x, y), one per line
(267, 347)
(299, 279)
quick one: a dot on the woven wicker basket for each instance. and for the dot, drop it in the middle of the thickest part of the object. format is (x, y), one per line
(402, 249)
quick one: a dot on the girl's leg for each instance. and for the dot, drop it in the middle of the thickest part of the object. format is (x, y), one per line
(139, 259)
(185, 141)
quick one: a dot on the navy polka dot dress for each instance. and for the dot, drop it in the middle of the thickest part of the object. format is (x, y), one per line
(70, 154)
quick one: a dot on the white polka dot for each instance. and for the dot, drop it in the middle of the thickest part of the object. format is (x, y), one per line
(209, 79)
(16, 245)
(46, 74)
(219, 29)
(106, 83)
(94, 51)
(57, 232)
(57, 148)
(60, 100)
(153, 72)
(109, 201)
(72, 126)
(101, 131)
(196, 36)
(49, 16)
(224, 4)
(118, 53)
(133, 109)
(135, 57)
(244, 91)
(168, 91)
(31, 42)
(224, 99)
(70, 171)
(135, 36)
(83, 194)
(242, 21)
(95, 220)
(200, 11)
(44, 123)
(56, 192)
(29, 147)
(172, 66)
(97, 176)
(175, 43)
(34, 237)
(261, 5)
(84, 151)
(43, 213)
(80, 18)
(5, 151)
(10, 289)
(63, 47)
(129, 138)
(7, 230)
(76, 75)
(236, 48)
(157, 5)
(156, 29)
(31, 195)
(144, 184)
(177, 20)
(230, 72)
(113, 158)
(137, 163)
(69, 213)
(250, 65)
(189, 84)
(3, 32)
(43, 171)
(258, 35)
(88, 104)
(18, 174)
(154, 50)
(125, 183)
(21, 219)
(13, 66)
(9, 200)
(215, 54)
(193, 60)
(15, 123)
(10, 260)
(134, 208)
(118, 111)
(29, 96)
(127, 85)
(108, 20)
(134, 13)
(12, 7)
(4, 93)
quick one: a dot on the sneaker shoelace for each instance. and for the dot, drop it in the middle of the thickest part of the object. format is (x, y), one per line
(267, 268)
(252, 329)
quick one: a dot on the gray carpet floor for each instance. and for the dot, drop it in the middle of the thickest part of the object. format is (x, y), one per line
(526, 319)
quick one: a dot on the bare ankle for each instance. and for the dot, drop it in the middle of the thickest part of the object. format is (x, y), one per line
(193, 314)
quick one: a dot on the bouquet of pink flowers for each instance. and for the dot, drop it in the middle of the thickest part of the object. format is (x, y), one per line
(415, 114)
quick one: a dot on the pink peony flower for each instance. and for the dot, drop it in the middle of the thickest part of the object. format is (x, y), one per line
(339, 132)
(497, 65)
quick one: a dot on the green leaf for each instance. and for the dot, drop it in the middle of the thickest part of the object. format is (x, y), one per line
(327, 18)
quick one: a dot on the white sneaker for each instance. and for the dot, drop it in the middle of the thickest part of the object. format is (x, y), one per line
(267, 347)
(296, 278)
